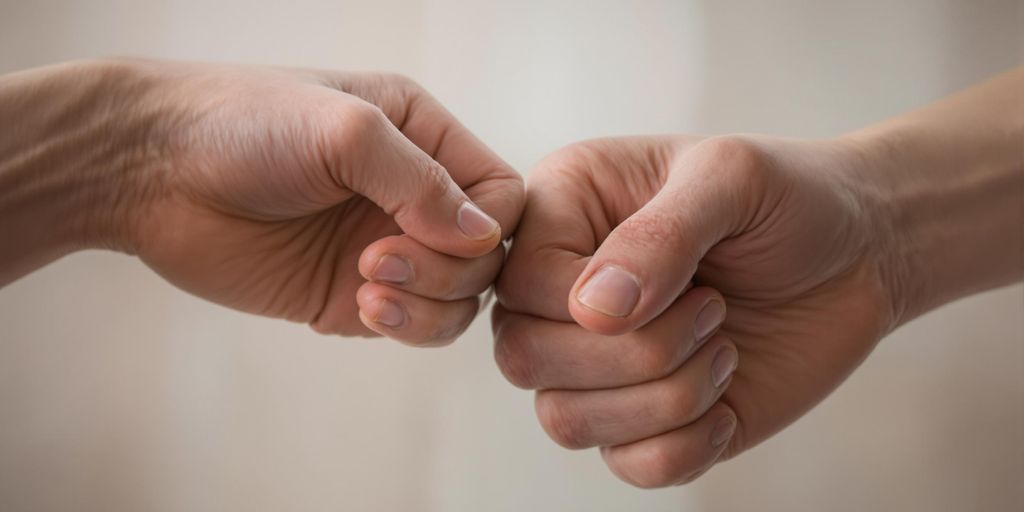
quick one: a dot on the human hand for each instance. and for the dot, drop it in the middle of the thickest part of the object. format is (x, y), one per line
(612, 301)
(281, 192)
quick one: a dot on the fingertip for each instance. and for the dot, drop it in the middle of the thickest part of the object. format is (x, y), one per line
(377, 312)
(475, 224)
(380, 263)
(613, 300)
(370, 256)
(475, 233)
(722, 432)
(412, 319)
(605, 300)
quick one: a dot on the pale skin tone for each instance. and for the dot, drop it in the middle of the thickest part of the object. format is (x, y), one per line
(350, 202)
(675, 300)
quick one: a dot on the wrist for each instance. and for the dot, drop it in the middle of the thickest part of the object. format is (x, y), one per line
(944, 214)
(70, 174)
(871, 181)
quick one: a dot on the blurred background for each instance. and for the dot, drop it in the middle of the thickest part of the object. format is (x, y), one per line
(120, 393)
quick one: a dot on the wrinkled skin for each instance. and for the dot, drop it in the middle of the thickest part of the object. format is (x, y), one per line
(261, 189)
(769, 227)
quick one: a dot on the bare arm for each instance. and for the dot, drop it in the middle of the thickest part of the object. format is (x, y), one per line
(949, 189)
(676, 300)
(354, 202)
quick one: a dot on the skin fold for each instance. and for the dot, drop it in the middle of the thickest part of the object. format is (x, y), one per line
(676, 300)
(272, 191)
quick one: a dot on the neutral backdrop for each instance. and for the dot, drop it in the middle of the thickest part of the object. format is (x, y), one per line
(119, 392)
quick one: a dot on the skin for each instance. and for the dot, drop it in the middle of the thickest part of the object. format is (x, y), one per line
(675, 300)
(813, 249)
(271, 191)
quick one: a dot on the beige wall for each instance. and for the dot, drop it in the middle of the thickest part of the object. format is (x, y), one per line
(118, 392)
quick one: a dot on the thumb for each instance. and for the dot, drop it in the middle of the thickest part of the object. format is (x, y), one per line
(413, 188)
(649, 259)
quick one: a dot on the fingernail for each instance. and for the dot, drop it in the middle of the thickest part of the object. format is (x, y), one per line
(723, 365)
(709, 318)
(392, 269)
(474, 223)
(611, 291)
(389, 314)
(723, 431)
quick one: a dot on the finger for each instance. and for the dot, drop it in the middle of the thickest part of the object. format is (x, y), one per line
(368, 155)
(550, 247)
(535, 353)
(403, 263)
(647, 260)
(675, 457)
(490, 182)
(581, 419)
(487, 179)
(575, 197)
(412, 319)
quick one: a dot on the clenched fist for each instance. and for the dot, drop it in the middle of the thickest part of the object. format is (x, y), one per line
(352, 202)
(676, 300)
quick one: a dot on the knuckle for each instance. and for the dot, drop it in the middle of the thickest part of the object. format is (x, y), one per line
(733, 155)
(654, 360)
(512, 356)
(578, 156)
(403, 89)
(650, 467)
(682, 401)
(562, 422)
(400, 80)
(576, 151)
(364, 116)
(355, 128)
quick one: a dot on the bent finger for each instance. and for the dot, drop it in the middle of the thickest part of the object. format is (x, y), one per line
(404, 263)
(535, 353)
(412, 319)
(581, 419)
(675, 457)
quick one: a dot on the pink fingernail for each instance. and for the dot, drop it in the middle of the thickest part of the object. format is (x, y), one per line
(723, 365)
(709, 318)
(474, 223)
(392, 269)
(611, 291)
(389, 314)
(723, 431)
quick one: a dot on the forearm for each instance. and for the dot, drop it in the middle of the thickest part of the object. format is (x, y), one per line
(949, 194)
(64, 162)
